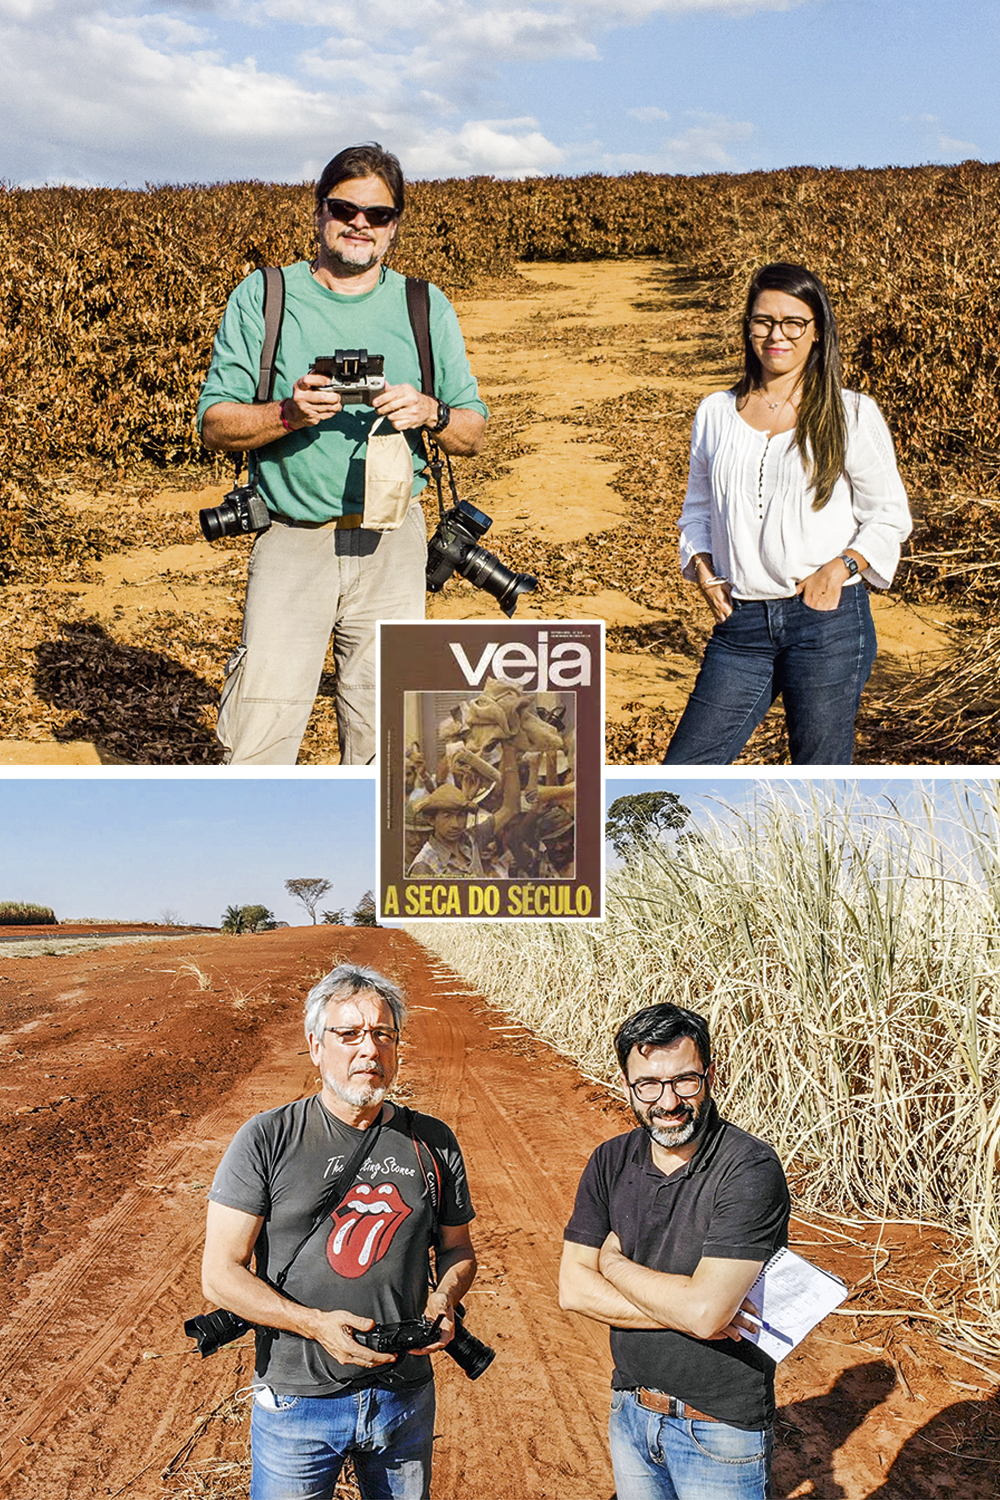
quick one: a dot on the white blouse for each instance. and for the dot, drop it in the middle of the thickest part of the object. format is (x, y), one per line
(749, 504)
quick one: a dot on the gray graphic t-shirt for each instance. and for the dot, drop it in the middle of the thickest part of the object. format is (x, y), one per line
(372, 1257)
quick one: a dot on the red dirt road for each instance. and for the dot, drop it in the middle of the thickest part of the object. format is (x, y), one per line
(124, 1079)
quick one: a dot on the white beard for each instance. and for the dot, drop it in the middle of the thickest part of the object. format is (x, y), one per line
(370, 1089)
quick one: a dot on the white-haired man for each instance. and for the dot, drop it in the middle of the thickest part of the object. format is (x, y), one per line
(347, 1255)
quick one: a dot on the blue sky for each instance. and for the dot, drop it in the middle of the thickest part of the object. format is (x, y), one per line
(122, 92)
(947, 801)
(131, 848)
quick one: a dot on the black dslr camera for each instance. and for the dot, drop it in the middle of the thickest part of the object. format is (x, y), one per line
(454, 548)
(354, 373)
(468, 1352)
(242, 511)
(399, 1338)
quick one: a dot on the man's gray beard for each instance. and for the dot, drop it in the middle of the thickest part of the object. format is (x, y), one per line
(354, 267)
(371, 1092)
(672, 1136)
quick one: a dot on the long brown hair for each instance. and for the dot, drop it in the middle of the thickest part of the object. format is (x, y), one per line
(821, 424)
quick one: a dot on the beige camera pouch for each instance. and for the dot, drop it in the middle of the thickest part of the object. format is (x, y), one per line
(388, 478)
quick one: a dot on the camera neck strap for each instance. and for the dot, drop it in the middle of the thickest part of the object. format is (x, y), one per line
(334, 1195)
(418, 306)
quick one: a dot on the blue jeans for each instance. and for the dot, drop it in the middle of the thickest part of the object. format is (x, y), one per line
(817, 660)
(299, 1443)
(670, 1458)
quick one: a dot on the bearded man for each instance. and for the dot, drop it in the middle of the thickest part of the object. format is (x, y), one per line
(671, 1226)
(323, 565)
(340, 1197)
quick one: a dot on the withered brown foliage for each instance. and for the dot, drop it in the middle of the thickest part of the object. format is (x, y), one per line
(110, 300)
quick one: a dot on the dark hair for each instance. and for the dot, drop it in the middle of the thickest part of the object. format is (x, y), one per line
(661, 1026)
(364, 161)
(821, 426)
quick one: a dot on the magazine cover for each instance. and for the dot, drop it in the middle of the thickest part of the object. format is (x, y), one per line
(491, 758)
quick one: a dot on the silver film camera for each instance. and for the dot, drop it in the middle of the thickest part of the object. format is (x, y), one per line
(354, 374)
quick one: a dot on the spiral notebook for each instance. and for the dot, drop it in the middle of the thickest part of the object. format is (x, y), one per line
(791, 1296)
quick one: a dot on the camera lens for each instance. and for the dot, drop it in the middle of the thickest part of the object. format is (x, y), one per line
(485, 571)
(470, 1353)
(222, 521)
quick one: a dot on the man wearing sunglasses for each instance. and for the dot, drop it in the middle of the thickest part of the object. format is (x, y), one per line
(671, 1227)
(319, 1394)
(316, 570)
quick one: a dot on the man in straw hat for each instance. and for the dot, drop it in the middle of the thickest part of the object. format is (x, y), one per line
(454, 851)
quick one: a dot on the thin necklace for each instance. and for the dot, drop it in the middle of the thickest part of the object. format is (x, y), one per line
(771, 405)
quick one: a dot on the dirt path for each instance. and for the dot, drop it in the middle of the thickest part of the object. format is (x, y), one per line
(126, 1073)
(592, 372)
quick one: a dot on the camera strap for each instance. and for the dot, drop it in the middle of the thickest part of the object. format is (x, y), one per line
(418, 305)
(334, 1194)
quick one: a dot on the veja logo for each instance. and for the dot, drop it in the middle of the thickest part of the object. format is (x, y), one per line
(565, 665)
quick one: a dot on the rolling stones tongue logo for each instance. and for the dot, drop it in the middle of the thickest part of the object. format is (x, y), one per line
(364, 1226)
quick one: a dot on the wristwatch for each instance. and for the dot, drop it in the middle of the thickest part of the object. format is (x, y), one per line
(443, 418)
(851, 564)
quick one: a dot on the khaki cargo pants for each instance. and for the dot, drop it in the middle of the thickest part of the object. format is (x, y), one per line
(304, 584)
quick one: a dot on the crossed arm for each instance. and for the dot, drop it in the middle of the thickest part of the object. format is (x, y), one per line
(605, 1285)
(227, 1281)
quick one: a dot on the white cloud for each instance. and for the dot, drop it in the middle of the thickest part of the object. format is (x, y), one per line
(939, 142)
(704, 147)
(136, 90)
(511, 148)
(648, 114)
(948, 146)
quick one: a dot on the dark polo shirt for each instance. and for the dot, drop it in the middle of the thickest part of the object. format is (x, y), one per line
(729, 1201)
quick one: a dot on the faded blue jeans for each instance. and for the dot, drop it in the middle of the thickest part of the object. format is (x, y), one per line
(818, 661)
(299, 1443)
(674, 1458)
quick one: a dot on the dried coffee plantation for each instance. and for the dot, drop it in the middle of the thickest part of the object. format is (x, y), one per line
(111, 298)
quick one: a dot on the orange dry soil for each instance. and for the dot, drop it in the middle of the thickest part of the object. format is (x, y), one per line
(126, 1072)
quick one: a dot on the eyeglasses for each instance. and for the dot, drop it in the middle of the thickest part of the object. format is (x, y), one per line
(376, 214)
(792, 328)
(685, 1086)
(382, 1036)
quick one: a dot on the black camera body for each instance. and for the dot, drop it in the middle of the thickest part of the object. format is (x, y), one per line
(399, 1338)
(354, 374)
(241, 513)
(468, 1352)
(454, 548)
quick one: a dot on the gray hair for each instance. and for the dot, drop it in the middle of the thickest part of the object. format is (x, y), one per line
(343, 983)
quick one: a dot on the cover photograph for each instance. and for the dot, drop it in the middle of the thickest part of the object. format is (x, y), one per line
(490, 766)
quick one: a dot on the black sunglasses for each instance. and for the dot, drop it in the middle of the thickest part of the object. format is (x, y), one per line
(378, 216)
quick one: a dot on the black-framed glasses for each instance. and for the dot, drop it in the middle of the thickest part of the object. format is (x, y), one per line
(685, 1086)
(793, 328)
(382, 1036)
(345, 212)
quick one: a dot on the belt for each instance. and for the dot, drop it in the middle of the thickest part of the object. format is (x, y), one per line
(670, 1406)
(338, 523)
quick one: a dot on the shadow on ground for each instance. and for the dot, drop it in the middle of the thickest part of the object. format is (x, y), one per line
(135, 705)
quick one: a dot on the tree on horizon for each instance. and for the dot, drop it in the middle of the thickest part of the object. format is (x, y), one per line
(309, 891)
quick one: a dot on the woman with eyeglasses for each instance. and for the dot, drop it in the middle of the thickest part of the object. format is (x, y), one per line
(793, 500)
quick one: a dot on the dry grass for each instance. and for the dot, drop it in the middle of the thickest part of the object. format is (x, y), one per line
(849, 965)
(225, 1473)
